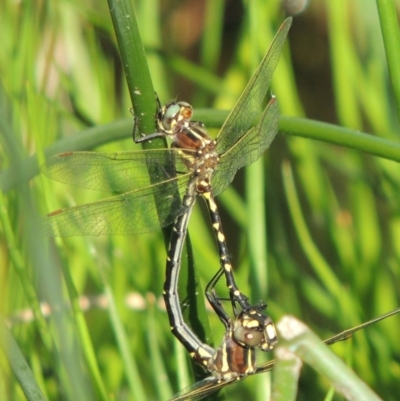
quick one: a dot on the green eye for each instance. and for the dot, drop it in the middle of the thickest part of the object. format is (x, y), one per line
(170, 115)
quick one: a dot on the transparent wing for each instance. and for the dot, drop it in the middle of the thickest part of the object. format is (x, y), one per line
(114, 172)
(250, 102)
(201, 389)
(134, 212)
(248, 148)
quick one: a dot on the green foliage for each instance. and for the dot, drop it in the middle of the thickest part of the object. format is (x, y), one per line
(319, 239)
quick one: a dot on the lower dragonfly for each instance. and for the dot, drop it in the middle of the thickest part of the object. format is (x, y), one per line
(235, 358)
(213, 383)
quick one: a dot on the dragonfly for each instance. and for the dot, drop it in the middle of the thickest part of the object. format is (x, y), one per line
(212, 384)
(235, 358)
(142, 205)
(194, 165)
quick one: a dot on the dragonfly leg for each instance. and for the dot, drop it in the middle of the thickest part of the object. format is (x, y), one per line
(215, 301)
(141, 138)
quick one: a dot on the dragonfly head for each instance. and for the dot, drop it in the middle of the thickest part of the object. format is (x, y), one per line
(174, 116)
(253, 328)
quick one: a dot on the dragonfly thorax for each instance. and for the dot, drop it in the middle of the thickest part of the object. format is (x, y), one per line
(232, 360)
(198, 153)
(236, 357)
(194, 137)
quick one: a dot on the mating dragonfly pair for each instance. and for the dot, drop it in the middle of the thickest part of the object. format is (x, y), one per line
(159, 187)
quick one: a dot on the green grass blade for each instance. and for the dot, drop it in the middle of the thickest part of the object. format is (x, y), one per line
(130, 365)
(345, 137)
(134, 62)
(19, 365)
(139, 84)
(286, 375)
(298, 339)
(391, 38)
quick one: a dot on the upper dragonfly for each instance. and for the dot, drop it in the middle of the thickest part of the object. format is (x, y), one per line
(146, 203)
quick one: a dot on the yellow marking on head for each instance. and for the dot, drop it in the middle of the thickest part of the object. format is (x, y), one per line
(267, 347)
(270, 329)
(251, 324)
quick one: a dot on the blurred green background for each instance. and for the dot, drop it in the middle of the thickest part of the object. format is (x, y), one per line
(313, 228)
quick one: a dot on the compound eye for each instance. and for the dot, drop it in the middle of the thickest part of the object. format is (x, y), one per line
(251, 338)
(170, 114)
(186, 110)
